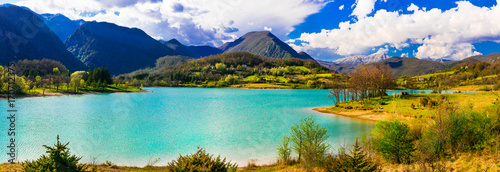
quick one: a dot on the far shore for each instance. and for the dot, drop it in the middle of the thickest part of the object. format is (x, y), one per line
(49, 94)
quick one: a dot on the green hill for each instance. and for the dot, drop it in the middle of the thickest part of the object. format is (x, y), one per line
(234, 68)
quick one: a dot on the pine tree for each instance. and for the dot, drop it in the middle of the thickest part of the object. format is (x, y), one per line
(358, 160)
(58, 159)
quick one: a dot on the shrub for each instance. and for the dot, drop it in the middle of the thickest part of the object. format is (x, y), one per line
(251, 164)
(424, 101)
(284, 151)
(58, 159)
(355, 161)
(471, 130)
(202, 162)
(393, 140)
(336, 163)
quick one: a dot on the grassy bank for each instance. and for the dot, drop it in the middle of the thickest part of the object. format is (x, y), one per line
(409, 106)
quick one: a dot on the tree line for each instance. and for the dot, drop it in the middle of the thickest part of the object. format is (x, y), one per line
(365, 81)
(34, 75)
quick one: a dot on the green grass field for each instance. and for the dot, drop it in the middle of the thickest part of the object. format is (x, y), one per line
(410, 105)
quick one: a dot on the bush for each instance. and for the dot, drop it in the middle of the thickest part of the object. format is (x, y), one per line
(393, 140)
(355, 161)
(471, 130)
(428, 102)
(202, 162)
(284, 151)
(424, 101)
(58, 159)
(308, 141)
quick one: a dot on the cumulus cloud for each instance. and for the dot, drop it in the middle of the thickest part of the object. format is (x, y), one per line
(192, 22)
(341, 7)
(443, 34)
(412, 7)
(268, 28)
(452, 51)
(363, 8)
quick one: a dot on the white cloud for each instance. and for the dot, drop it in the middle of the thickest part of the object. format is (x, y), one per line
(383, 50)
(404, 55)
(443, 34)
(191, 21)
(452, 51)
(363, 8)
(341, 7)
(412, 7)
(268, 28)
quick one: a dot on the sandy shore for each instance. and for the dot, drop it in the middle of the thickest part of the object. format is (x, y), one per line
(368, 115)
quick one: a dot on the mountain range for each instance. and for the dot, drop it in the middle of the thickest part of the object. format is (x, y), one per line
(62, 26)
(405, 66)
(204, 51)
(401, 66)
(192, 51)
(120, 49)
(490, 58)
(23, 35)
(263, 43)
(409, 66)
(362, 59)
(82, 45)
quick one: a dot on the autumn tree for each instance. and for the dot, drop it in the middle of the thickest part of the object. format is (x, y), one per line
(371, 80)
(382, 79)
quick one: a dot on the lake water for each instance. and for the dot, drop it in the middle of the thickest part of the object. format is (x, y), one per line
(130, 128)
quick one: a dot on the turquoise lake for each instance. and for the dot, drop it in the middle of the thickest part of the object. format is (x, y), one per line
(131, 128)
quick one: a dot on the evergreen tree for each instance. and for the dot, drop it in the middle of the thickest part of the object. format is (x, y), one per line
(201, 162)
(58, 159)
(358, 160)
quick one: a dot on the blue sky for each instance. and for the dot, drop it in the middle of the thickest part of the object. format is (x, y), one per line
(326, 29)
(331, 15)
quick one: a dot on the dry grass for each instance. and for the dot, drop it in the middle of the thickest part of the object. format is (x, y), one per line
(470, 87)
(465, 162)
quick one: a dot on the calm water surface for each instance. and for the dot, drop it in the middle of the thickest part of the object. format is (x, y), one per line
(130, 128)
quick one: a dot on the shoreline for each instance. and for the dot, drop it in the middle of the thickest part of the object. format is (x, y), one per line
(366, 115)
(52, 94)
